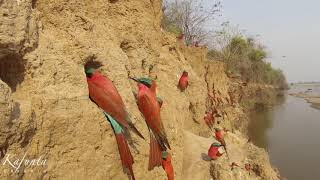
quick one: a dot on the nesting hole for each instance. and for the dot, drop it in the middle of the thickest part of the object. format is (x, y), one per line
(12, 70)
(113, 1)
(34, 3)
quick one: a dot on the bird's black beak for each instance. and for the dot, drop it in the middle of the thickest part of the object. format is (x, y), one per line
(135, 79)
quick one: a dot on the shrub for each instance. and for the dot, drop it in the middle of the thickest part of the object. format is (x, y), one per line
(245, 57)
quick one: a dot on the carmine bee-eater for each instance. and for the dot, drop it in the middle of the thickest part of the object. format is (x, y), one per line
(220, 137)
(183, 81)
(247, 166)
(150, 108)
(103, 92)
(124, 150)
(219, 134)
(105, 95)
(213, 151)
(151, 85)
(181, 37)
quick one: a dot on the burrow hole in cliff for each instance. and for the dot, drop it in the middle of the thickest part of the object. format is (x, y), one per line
(12, 70)
(113, 1)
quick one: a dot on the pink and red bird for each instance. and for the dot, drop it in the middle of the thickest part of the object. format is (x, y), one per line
(213, 151)
(247, 166)
(219, 134)
(150, 108)
(103, 92)
(183, 81)
(181, 37)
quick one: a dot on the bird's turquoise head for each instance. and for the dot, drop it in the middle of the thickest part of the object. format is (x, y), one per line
(90, 72)
(146, 81)
(217, 129)
(215, 144)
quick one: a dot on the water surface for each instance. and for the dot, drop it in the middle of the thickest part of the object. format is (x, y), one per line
(290, 132)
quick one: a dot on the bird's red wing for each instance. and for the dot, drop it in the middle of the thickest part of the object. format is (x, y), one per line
(107, 85)
(109, 103)
(149, 107)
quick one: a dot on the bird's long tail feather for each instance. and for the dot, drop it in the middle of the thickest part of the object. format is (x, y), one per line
(225, 149)
(135, 130)
(162, 140)
(125, 155)
(132, 143)
(223, 143)
(155, 154)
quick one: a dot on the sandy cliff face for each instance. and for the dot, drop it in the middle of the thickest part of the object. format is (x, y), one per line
(45, 108)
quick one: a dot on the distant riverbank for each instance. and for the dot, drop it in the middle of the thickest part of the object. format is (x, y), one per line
(313, 100)
(310, 92)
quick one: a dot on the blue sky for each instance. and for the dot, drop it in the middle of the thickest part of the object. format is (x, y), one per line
(288, 28)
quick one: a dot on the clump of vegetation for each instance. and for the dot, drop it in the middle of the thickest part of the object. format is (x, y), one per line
(246, 58)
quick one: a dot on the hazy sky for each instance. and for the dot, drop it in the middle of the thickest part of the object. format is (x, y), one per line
(288, 28)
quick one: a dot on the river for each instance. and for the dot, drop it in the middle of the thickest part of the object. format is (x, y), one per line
(290, 132)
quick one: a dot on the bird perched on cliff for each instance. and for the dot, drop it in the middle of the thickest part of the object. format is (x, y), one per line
(219, 135)
(183, 81)
(151, 85)
(167, 165)
(196, 44)
(150, 108)
(247, 166)
(213, 151)
(103, 92)
(124, 150)
(181, 37)
(105, 95)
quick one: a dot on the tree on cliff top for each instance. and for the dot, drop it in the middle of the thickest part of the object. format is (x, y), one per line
(191, 18)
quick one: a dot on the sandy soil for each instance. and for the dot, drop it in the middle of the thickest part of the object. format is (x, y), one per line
(313, 100)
